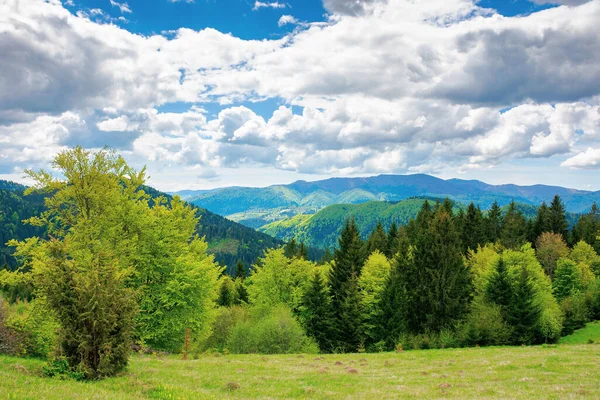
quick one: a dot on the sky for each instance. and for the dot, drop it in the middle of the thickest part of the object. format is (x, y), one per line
(214, 93)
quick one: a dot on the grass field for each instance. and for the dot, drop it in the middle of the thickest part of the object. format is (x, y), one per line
(591, 333)
(564, 371)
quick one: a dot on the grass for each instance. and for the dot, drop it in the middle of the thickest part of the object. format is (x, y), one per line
(591, 333)
(500, 372)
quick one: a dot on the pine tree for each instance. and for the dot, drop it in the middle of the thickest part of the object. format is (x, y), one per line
(303, 251)
(558, 218)
(392, 245)
(442, 289)
(494, 223)
(513, 233)
(227, 293)
(473, 231)
(499, 289)
(351, 336)
(291, 248)
(416, 226)
(524, 312)
(327, 257)
(542, 221)
(348, 261)
(240, 270)
(377, 241)
(317, 314)
(394, 303)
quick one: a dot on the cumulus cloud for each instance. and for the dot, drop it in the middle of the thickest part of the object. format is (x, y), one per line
(589, 158)
(381, 86)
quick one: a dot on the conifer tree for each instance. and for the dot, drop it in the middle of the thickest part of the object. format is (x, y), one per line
(416, 226)
(377, 241)
(350, 335)
(524, 312)
(542, 221)
(513, 233)
(303, 251)
(588, 228)
(317, 314)
(494, 223)
(567, 280)
(290, 250)
(443, 283)
(558, 218)
(327, 257)
(473, 231)
(240, 270)
(348, 261)
(394, 304)
(227, 293)
(499, 289)
(392, 245)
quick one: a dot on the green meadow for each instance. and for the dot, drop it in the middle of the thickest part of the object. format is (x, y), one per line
(553, 371)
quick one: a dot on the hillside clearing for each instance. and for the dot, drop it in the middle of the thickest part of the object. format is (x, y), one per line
(500, 372)
(591, 333)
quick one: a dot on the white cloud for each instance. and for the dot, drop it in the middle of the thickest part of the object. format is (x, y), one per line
(287, 19)
(274, 4)
(397, 86)
(123, 7)
(589, 158)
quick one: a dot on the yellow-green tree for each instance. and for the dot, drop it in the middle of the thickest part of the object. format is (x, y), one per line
(116, 265)
(371, 284)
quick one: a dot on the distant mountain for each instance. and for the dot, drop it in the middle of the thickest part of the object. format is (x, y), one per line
(322, 229)
(228, 240)
(258, 207)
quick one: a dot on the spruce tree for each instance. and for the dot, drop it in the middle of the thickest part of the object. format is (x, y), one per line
(588, 228)
(442, 289)
(558, 218)
(240, 270)
(317, 314)
(392, 245)
(473, 231)
(494, 223)
(303, 251)
(394, 304)
(377, 240)
(499, 289)
(227, 293)
(350, 335)
(514, 232)
(291, 248)
(524, 312)
(348, 261)
(542, 221)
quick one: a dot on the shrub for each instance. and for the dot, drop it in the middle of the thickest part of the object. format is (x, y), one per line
(34, 328)
(444, 339)
(576, 312)
(485, 326)
(8, 338)
(270, 331)
(226, 319)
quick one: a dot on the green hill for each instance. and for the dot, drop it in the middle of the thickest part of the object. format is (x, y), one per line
(228, 240)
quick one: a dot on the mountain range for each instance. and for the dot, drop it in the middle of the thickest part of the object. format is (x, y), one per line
(259, 207)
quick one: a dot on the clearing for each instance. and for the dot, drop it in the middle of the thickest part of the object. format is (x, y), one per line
(552, 371)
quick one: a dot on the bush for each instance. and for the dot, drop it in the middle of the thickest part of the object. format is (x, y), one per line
(593, 300)
(576, 312)
(34, 327)
(485, 326)
(8, 338)
(226, 319)
(270, 331)
(444, 339)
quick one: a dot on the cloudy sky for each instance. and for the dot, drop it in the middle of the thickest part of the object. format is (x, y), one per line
(211, 93)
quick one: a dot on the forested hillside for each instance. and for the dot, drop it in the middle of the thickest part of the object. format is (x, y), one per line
(228, 241)
(257, 207)
(323, 228)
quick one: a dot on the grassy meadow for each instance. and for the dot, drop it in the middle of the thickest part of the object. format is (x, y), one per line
(557, 371)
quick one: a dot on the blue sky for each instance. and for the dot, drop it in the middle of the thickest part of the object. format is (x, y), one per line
(211, 93)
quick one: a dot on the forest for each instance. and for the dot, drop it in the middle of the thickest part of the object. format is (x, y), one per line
(119, 270)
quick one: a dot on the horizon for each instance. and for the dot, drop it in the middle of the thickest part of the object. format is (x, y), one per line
(260, 93)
